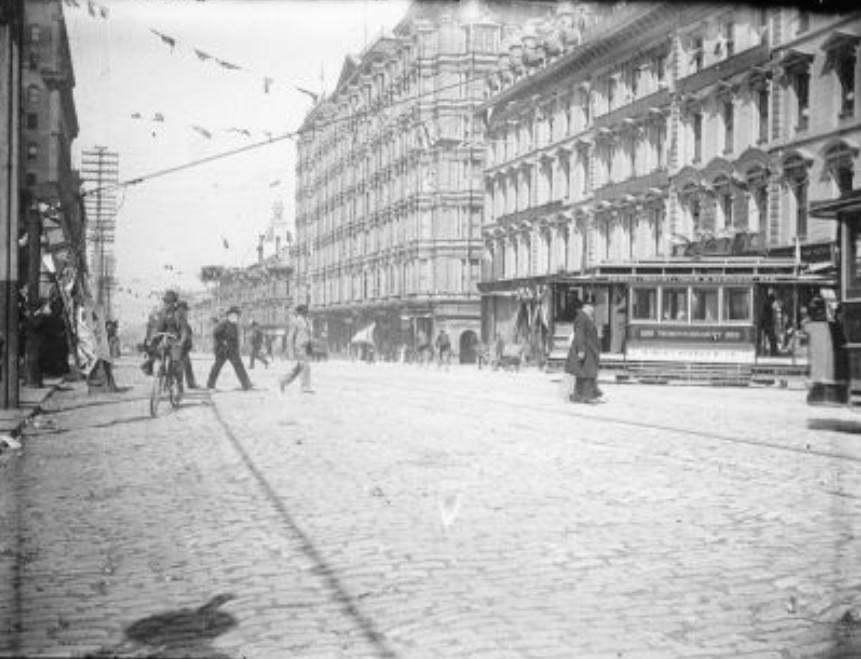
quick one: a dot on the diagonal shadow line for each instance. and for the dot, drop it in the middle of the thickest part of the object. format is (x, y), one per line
(344, 598)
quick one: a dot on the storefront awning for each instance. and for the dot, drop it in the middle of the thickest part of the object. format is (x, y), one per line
(849, 203)
(510, 286)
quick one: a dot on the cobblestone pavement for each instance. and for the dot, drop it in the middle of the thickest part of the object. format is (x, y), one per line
(414, 512)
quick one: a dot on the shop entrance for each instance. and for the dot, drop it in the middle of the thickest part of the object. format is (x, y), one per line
(468, 347)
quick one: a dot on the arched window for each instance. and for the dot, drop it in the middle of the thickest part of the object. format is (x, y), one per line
(795, 175)
(839, 163)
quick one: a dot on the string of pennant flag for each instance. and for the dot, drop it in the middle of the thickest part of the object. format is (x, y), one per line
(96, 10)
(207, 132)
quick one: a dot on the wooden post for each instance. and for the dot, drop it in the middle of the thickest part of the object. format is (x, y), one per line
(10, 32)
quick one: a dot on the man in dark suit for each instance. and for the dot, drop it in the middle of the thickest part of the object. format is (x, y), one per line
(226, 341)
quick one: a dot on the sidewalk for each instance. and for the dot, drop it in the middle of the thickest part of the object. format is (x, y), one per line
(31, 399)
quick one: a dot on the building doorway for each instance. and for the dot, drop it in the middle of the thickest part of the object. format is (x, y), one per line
(468, 347)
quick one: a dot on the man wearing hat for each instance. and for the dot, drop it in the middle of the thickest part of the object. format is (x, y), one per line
(166, 319)
(584, 355)
(300, 343)
(226, 340)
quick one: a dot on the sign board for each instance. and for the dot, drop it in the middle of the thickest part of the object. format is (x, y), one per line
(211, 273)
(713, 334)
(692, 343)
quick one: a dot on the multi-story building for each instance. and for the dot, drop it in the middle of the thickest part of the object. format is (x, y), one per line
(388, 200)
(628, 143)
(50, 208)
(49, 125)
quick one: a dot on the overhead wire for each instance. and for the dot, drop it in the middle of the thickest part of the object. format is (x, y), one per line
(288, 135)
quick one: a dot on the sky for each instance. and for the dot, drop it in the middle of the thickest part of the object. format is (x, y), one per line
(168, 227)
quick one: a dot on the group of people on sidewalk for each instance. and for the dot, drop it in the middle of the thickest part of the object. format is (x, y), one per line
(170, 324)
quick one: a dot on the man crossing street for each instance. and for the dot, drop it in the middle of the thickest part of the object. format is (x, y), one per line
(299, 341)
(226, 337)
(257, 346)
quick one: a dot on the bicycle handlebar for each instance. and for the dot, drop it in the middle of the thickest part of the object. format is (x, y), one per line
(160, 334)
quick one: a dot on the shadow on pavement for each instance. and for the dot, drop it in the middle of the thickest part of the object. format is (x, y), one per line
(835, 425)
(340, 594)
(180, 633)
(847, 637)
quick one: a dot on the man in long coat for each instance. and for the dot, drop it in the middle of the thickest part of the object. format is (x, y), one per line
(584, 357)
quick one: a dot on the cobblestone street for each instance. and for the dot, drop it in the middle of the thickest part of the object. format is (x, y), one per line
(425, 513)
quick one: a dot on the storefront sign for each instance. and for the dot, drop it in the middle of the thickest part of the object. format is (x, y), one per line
(810, 253)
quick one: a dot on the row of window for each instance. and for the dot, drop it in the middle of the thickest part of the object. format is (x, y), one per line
(692, 304)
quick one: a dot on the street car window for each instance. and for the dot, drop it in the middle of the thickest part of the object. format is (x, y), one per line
(704, 305)
(645, 304)
(674, 305)
(737, 304)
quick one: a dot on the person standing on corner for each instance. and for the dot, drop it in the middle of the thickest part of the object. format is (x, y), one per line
(584, 356)
(300, 343)
(257, 346)
(226, 340)
(443, 349)
(187, 345)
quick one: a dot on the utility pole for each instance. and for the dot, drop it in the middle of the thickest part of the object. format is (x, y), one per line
(11, 30)
(100, 168)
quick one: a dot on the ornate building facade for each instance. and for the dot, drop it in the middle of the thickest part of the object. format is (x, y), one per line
(388, 201)
(655, 133)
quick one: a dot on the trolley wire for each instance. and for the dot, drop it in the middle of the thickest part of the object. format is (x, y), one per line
(369, 112)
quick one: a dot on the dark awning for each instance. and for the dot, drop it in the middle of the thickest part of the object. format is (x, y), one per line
(848, 203)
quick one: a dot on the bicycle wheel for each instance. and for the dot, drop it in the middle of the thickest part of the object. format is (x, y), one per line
(174, 386)
(155, 394)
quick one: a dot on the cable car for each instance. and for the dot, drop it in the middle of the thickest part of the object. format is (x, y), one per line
(835, 333)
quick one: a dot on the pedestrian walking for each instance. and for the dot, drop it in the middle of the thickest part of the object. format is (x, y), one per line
(257, 346)
(299, 341)
(443, 349)
(187, 345)
(424, 351)
(226, 339)
(766, 325)
(584, 356)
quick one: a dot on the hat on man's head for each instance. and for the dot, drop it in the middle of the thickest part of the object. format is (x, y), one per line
(302, 309)
(170, 297)
(235, 310)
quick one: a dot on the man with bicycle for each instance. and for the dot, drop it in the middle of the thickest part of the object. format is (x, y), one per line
(166, 324)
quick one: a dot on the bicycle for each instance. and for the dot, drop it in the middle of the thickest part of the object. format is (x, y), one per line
(166, 377)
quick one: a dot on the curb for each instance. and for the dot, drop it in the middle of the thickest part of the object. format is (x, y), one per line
(27, 412)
